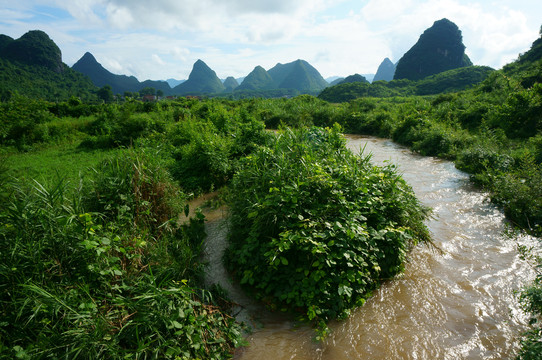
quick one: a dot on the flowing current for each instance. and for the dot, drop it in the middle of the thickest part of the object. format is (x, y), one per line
(458, 303)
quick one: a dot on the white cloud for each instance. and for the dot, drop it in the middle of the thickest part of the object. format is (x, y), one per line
(157, 59)
(338, 37)
(83, 11)
(491, 34)
(180, 53)
(119, 17)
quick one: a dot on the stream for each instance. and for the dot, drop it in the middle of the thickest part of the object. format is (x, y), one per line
(458, 303)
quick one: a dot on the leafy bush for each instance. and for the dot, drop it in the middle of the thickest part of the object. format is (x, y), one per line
(314, 228)
(531, 298)
(521, 115)
(23, 122)
(201, 156)
(116, 127)
(519, 192)
(206, 151)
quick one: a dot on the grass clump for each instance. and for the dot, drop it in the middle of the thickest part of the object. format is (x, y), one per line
(315, 229)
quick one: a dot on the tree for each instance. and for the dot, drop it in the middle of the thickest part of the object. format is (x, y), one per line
(105, 93)
(147, 91)
(159, 93)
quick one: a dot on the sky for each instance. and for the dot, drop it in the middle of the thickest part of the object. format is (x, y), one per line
(161, 39)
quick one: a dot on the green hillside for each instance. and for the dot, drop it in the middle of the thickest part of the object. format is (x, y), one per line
(230, 84)
(298, 75)
(257, 79)
(33, 48)
(354, 78)
(202, 80)
(32, 66)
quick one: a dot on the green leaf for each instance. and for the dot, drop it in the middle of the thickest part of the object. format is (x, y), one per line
(176, 324)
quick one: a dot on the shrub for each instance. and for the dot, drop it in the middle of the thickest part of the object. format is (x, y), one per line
(314, 229)
(531, 298)
(23, 122)
(116, 127)
(201, 156)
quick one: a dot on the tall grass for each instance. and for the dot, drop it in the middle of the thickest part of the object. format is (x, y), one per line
(103, 271)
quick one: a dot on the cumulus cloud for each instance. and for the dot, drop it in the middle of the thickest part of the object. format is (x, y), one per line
(491, 33)
(157, 59)
(339, 37)
(180, 53)
(184, 14)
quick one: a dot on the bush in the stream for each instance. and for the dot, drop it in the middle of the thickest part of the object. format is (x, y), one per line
(315, 228)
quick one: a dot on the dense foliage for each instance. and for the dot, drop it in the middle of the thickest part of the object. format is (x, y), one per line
(33, 48)
(314, 229)
(354, 78)
(257, 79)
(202, 79)
(34, 81)
(104, 272)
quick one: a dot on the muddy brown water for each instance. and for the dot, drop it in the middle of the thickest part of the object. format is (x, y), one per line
(456, 304)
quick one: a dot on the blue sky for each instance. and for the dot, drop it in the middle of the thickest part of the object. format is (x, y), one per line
(161, 39)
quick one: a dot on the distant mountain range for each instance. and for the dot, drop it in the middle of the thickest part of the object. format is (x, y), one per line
(36, 59)
(298, 75)
(100, 76)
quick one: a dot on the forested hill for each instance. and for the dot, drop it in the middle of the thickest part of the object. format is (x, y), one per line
(257, 79)
(32, 66)
(202, 80)
(299, 75)
(438, 49)
(528, 64)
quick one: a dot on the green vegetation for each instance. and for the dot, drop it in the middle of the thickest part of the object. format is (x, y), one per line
(202, 79)
(314, 228)
(101, 271)
(32, 66)
(230, 84)
(354, 78)
(445, 82)
(258, 79)
(33, 48)
(100, 267)
(34, 81)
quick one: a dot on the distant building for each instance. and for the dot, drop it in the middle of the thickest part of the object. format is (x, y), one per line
(149, 98)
